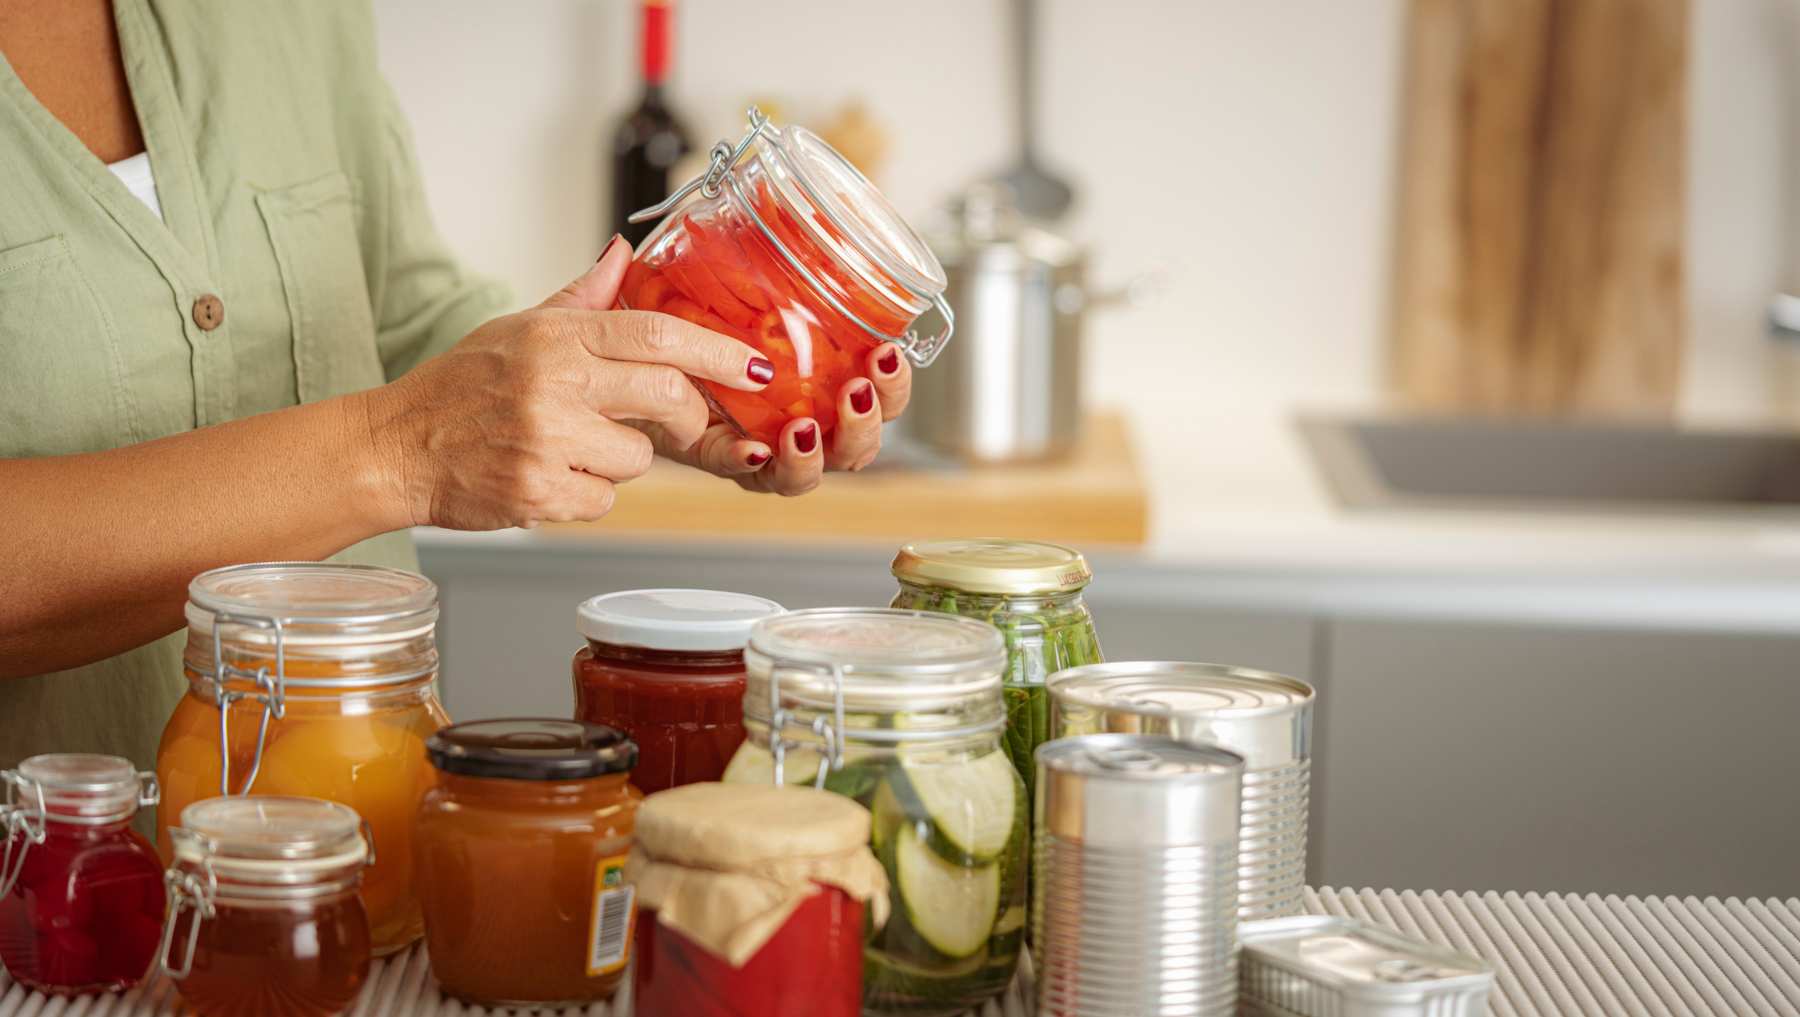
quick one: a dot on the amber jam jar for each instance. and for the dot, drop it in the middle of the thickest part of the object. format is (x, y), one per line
(81, 892)
(520, 861)
(667, 668)
(715, 865)
(265, 916)
(314, 680)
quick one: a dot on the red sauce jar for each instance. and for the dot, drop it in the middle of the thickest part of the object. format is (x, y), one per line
(752, 902)
(790, 249)
(667, 668)
(81, 892)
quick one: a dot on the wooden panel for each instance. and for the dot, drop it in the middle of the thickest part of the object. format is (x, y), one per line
(1096, 496)
(1540, 249)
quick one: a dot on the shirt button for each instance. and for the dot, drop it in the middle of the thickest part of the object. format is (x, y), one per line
(209, 312)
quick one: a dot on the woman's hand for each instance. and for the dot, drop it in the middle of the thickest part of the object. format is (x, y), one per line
(863, 404)
(796, 465)
(522, 421)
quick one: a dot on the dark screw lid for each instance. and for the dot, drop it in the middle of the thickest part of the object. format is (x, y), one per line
(531, 748)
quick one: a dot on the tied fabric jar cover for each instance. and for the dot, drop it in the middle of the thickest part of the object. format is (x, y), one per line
(752, 902)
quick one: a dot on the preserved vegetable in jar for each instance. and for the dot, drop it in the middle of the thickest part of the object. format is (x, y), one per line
(901, 710)
(521, 861)
(753, 901)
(325, 675)
(81, 892)
(264, 914)
(1031, 592)
(667, 668)
(793, 251)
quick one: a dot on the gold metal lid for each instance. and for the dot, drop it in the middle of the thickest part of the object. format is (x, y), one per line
(993, 566)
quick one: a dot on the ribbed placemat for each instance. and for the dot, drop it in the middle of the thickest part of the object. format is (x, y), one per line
(1557, 956)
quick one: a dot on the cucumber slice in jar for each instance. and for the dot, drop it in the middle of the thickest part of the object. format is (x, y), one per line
(952, 907)
(973, 805)
(890, 979)
(754, 764)
(886, 818)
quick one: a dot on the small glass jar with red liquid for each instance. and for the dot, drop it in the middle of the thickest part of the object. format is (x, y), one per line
(81, 892)
(790, 249)
(667, 668)
(265, 916)
(713, 862)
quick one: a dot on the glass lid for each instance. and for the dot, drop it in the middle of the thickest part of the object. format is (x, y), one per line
(853, 204)
(268, 827)
(942, 671)
(78, 786)
(312, 592)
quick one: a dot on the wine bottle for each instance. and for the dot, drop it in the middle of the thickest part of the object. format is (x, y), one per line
(650, 139)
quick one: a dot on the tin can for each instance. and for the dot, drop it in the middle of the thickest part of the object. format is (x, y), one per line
(1134, 892)
(1265, 717)
(1326, 966)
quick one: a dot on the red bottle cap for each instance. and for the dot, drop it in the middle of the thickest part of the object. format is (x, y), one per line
(657, 16)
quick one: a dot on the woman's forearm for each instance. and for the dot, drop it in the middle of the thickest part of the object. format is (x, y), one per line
(98, 548)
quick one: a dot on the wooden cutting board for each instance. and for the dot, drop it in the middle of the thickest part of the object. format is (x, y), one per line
(1095, 496)
(1541, 212)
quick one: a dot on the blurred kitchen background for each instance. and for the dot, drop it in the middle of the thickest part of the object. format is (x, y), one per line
(1430, 359)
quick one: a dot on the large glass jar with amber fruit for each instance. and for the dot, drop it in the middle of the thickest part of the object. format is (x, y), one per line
(316, 680)
(521, 861)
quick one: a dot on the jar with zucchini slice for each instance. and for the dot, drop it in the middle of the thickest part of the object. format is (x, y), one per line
(902, 711)
(1031, 592)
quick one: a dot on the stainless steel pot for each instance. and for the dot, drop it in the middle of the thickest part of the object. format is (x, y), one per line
(1009, 387)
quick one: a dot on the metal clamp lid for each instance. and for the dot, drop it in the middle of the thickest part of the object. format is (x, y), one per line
(271, 692)
(26, 806)
(920, 350)
(828, 729)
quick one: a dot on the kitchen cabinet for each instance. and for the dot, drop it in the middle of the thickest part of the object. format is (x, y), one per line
(1481, 756)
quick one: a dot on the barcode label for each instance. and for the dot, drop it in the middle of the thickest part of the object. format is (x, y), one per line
(609, 937)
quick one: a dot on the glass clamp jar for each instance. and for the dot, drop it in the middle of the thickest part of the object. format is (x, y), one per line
(901, 711)
(793, 251)
(715, 864)
(79, 888)
(314, 680)
(667, 668)
(521, 860)
(1029, 590)
(264, 907)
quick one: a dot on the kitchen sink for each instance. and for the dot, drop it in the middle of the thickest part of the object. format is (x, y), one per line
(1430, 461)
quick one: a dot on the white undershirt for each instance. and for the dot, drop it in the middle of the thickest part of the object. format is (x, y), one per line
(135, 174)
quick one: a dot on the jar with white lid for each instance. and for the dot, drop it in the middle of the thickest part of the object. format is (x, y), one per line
(902, 711)
(315, 680)
(264, 908)
(81, 894)
(667, 668)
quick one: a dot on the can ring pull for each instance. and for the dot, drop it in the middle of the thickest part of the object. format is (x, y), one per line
(271, 693)
(185, 891)
(828, 730)
(22, 824)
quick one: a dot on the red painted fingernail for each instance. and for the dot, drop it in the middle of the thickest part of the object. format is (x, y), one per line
(757, 458)
(760, 371)
(806, 439)
(609, 246)
(863, 399)
(889, 362)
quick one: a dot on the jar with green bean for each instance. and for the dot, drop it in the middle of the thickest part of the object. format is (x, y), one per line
(1031, 592)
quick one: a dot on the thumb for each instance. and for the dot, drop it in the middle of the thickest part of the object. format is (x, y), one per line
(598, 287)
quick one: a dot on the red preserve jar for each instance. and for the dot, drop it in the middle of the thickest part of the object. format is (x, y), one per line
(751, 902)
(667, 668)
(790, 249)
(81, 892)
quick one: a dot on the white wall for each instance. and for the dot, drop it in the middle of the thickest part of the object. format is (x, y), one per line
(1245, 149)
